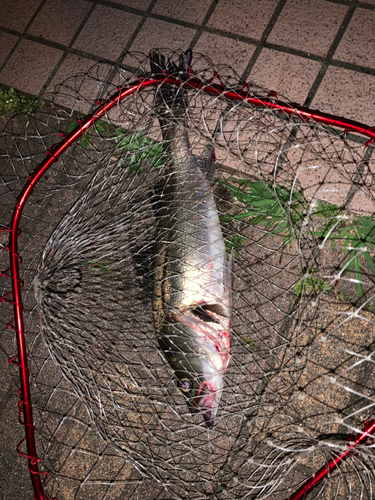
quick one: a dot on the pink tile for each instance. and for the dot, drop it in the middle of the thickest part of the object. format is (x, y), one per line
(58, 20)
(106, 32)
(357, 44)
(347, 93)
(308, 25)
(192, 11)
(224, 51)
(136, 4)
(243, 18)
(319, 180)
(29, 66)
(362, 203)
(15, 14)
(6, 44)
(289, 75)
(160, 34)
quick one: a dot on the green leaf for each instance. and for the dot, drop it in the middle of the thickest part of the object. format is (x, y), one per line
(17, 102)
(98, 266)
(234, 242)
(369, 261)
(85, 141)
(71, 126)
(358, 276)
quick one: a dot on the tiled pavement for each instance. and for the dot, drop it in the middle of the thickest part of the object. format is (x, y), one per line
(319, 53)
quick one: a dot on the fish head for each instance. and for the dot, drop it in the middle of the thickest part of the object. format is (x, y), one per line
(197, 361)
(202, 390)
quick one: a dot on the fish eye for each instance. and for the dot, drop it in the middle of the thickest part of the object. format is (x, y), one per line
(185, 385)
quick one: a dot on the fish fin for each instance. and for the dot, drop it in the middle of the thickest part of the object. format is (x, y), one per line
(156, 198)
(207, 162)
(160, 66)
(230, 273)
(185, 64)
(165, 95)
(157, 63)
(144, 265)
(229, 282)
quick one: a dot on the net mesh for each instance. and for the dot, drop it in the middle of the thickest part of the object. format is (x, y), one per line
(295, 201)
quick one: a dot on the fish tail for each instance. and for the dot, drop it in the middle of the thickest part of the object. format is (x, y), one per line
(169, 96)
(207, 162)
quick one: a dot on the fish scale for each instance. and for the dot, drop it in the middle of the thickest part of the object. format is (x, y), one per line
(193, 277)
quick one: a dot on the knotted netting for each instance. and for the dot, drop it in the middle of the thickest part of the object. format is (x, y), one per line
(295, 200)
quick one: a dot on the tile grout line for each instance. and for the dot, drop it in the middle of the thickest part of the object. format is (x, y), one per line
(263, 38)
(126, 8)
(201, 28)
(21, 36)
(66, 50)
(354, 187)
(279, 48)
(256, 53)
(141, 23)
(323, 70)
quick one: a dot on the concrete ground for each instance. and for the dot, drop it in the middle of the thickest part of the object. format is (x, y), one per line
(318, 53)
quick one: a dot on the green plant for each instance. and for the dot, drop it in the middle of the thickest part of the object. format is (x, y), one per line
(18, 102)
(248, 341)
(98, 266)
(357, 234)
(139, 148)
(234, 242)
(100, 126)
(277, 209)
(310, 284)
(283, 211)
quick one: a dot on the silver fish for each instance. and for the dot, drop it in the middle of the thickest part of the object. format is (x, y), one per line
(192, 279)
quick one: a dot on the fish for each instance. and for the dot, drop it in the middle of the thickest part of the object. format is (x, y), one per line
(193, 276)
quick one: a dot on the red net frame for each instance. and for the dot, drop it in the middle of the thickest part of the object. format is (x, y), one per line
(15, 297)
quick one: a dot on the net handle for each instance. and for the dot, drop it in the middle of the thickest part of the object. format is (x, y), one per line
(211, 88)
(333, 463)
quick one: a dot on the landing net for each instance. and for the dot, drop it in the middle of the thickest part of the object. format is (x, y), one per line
(295, 199)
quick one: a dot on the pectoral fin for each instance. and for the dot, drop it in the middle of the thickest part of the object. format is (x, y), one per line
(207, 162)
(229, 281)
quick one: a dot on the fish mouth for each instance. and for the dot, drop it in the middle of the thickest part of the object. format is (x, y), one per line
(206, 402)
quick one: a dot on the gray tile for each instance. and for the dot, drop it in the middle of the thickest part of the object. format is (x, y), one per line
(14, 475)
(58, 20)
(107, 32)
(73, 74)
(363, 202)
(30, 66)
